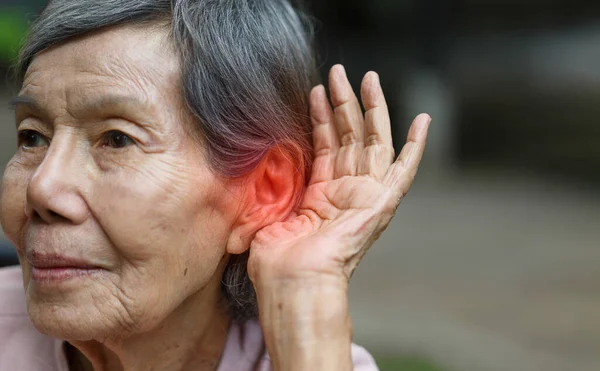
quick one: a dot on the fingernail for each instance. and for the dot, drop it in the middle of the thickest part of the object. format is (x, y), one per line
(376, 80)
(343, 70)
(321, 89)
(428, 119)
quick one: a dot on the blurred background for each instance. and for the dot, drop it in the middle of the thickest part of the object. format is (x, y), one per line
(493, 261)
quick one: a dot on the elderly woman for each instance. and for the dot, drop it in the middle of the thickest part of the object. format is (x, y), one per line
(181, 199)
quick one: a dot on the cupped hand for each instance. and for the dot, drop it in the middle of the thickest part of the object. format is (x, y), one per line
(354, 189)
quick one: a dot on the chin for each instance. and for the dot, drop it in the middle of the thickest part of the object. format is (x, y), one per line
(66, 323)
(81, 315)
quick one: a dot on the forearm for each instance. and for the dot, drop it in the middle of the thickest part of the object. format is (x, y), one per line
(306, 325)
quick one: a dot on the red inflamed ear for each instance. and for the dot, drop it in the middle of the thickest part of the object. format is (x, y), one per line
(271, 193)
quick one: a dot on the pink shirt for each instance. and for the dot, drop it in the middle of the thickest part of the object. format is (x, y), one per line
(23, 348)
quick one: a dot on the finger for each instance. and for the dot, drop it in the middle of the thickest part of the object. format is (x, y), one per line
(377, 117)
(325, 137)
(379, 151)
(348, 120)
(401, 174)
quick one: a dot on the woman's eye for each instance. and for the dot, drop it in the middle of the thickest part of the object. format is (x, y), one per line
(32, 139)
(116, 139)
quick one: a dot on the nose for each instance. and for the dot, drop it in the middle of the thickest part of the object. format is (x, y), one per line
(54, 190)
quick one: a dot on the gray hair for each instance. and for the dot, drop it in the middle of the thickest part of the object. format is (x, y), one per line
(247, 67)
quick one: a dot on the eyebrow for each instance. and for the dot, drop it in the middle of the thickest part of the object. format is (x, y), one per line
(23, 100)
(92, 107)
(113, 101)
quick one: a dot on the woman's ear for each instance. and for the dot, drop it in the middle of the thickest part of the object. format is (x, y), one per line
(271, 192)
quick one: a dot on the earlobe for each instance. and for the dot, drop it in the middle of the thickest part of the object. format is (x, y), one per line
(271, 193)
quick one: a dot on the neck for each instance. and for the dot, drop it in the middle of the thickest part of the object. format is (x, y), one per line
(192, 337)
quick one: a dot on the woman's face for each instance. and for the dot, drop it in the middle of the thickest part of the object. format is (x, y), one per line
(111, 204)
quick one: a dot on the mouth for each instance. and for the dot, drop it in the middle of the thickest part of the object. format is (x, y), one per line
(47, 268)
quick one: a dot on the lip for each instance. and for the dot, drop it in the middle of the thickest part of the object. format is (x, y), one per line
(49, 268)
(54, 261)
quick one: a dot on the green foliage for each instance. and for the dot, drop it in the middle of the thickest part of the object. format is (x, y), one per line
(13, 27)
(407, 364)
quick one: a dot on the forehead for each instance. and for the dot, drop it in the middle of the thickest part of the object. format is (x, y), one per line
(129, 58)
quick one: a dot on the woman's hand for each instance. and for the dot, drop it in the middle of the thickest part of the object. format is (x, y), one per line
(300, 267)
(354, 189)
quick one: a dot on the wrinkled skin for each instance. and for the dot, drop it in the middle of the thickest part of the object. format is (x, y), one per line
(301, 266)
(354, 189)
(120, 183)
(140, 203)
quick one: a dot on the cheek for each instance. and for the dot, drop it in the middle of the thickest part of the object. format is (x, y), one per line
(13, 194)
(167, 231)
(162, 220)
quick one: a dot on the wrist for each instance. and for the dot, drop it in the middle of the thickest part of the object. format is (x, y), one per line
(306, 323)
